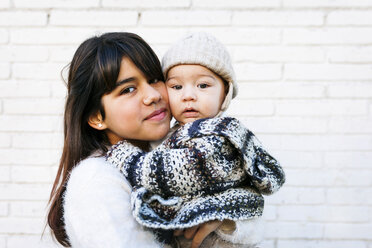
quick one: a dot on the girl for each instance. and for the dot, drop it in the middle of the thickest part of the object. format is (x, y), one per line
(115, 92)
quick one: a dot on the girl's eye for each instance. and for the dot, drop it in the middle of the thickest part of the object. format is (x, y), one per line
(127, 90)
(177, 87)
(203, 86)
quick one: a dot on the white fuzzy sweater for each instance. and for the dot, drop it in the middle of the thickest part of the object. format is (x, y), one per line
(97, 211)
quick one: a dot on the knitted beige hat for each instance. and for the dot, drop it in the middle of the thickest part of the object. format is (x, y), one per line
(203, 49)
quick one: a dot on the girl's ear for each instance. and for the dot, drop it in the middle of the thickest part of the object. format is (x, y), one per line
(96, 122)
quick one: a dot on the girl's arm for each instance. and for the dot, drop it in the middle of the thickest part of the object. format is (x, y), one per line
(97, 209)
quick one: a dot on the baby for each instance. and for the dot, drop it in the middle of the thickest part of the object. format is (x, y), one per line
(209, 167)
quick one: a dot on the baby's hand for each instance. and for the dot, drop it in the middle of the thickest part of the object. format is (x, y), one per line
(198, 233)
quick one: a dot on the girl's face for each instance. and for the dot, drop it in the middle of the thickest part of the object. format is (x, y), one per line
(137, 109)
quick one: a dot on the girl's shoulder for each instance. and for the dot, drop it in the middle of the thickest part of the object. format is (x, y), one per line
(94, 173)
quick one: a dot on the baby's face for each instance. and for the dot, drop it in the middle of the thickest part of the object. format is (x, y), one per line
(195, 92)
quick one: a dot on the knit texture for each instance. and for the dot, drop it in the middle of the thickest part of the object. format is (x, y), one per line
(203, 49)
(208, 169)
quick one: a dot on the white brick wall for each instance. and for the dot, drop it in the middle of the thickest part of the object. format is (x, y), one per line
(305, 75)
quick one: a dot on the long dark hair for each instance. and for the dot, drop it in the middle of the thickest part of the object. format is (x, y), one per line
(93, 72)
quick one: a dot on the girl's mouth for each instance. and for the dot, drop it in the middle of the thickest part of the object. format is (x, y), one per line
(157, 115)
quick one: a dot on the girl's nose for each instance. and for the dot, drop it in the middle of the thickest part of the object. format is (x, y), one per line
(151, 95)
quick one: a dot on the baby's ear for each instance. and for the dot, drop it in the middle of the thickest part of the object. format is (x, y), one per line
(96, 122)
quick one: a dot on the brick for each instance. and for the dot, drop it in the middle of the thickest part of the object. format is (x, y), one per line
(28, 208)
(348, 159)
(278, 18)
(285, 125)
(4, 4)
(21, 226)
(59, 89)
(288, 230)
(277, 54)
(298, 195)
(50, 35)
(349, 196)
(30, 123)
(44, 71)
(303, 213)
(47, 4)
(351, 89)
(4, 37)
(327, 177)
(327, 36)
(357, 125)
(61, 53)
(185, 18)
(349, 18)
(320, 243)
(236, 4)
(270, 212)
(159, 36)
(324, 213)
(5, 140)
(227, 35)
(310, 160)
(350, 54)
(281, 90)
(326, 3)
(327, 72)
(31, 174)
(34, 106)
(93, 18)
(252, 72)
(3, 209)
(23, 54)
(4, 70)
(23, 88)
(322, 107)
(314, 142)
(24, 192)
(253, 108)
(3, 241)
(4, 174)
(146, 4)
(29, 156)
(38, 140)
(306, 177)
(348, 231)
(268, 243)
(23, 18)
(239, 36)
(32, 241)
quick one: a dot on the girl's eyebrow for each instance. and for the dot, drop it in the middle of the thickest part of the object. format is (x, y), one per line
(127, 80)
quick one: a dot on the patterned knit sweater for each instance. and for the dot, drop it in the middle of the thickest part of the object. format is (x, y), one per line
(208, 169)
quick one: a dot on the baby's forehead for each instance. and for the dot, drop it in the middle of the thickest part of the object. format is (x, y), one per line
(190, 71)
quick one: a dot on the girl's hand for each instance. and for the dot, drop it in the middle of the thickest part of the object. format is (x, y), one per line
(198, 233)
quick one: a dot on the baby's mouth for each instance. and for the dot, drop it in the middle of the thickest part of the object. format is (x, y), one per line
(190, 113)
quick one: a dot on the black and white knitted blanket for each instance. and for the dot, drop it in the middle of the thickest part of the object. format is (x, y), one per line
(208, 169)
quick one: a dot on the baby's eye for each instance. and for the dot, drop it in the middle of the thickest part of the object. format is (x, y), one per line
(203, 85)
(177, 87)
(127, 90)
